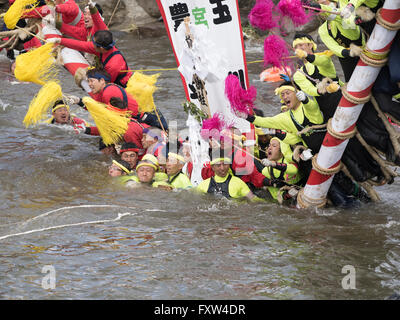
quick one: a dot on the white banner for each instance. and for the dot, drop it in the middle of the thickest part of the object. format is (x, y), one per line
(206, 37)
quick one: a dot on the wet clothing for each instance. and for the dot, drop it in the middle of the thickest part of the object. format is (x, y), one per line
(135, 134)
(112, 61)
(284, 171)
(75, 122)
(228, 187)
(133, 181)
(243, 166)
(180, 181)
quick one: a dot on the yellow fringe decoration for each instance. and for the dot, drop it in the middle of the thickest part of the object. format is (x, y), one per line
(37, 65)
(15, 12)
(44, 99)
(142, 88)
(112, 125)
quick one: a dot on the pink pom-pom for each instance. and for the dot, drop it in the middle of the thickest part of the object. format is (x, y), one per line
(275, 49)
(261, 15)
(212, 126)
(294, 10)
(241, 100)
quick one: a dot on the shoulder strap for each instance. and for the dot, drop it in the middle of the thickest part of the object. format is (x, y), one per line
(123, 92)
(121, 74)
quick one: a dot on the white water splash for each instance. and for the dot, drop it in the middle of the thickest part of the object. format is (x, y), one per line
(119, 216)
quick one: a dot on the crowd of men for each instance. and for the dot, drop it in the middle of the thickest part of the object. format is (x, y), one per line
(281, 161)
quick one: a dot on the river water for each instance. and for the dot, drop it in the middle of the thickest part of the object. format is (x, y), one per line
(61, 212)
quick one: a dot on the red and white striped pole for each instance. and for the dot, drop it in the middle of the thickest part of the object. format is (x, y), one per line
(343, 124)
(72, 59)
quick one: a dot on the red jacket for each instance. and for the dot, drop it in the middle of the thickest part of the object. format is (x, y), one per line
(135, 134)
(82, 33)
(32, 44)
(113, 90)
(113, 66)
(70, 11)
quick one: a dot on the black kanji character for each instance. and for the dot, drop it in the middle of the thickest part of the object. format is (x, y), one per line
(222, 10)
(178, 12)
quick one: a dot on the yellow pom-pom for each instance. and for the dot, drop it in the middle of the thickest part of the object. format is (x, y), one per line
(44, 99)
(111, 125)
(37, 65)
(142, 88)
(14, 13)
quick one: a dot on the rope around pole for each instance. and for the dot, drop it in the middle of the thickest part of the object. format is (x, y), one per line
(325, 171)
(340, 135)
(387, 25)
(352, 98)
(306, 202)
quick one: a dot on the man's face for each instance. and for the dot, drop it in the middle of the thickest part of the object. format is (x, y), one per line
(61, 115)
(147, 141)
(145, 174)
(221, 169)
(274, 151)
(87, 18)
(173, 166)
(263, 139)
(96, 84)
(307, 47)
(108, 151)
(115, 171)
(289, 98)
(131, 157)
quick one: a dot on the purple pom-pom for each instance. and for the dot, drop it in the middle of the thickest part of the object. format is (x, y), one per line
(275, 49)
(241, 100)
(212, 126)
(294, 10)
(261, 15)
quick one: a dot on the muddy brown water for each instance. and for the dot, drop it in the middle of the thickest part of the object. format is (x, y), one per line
(59, 209)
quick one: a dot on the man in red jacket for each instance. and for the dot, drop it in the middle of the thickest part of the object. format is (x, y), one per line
(103, 91)
(103, 46)
(92, 22)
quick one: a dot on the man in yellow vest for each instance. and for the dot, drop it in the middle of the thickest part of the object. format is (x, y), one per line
(224, 183)
(176, 178)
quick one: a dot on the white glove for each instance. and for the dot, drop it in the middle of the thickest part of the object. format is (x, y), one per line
(91, 4)
(347, 11)
(268, 131)
(53, 40)
(293, 192)
(266, 162)
(301, 96)
(306, 155)
(79, 128)
(49, 20)
(72, 99)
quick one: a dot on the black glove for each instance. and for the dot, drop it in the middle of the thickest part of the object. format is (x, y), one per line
(346, 53)
(250, 118)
